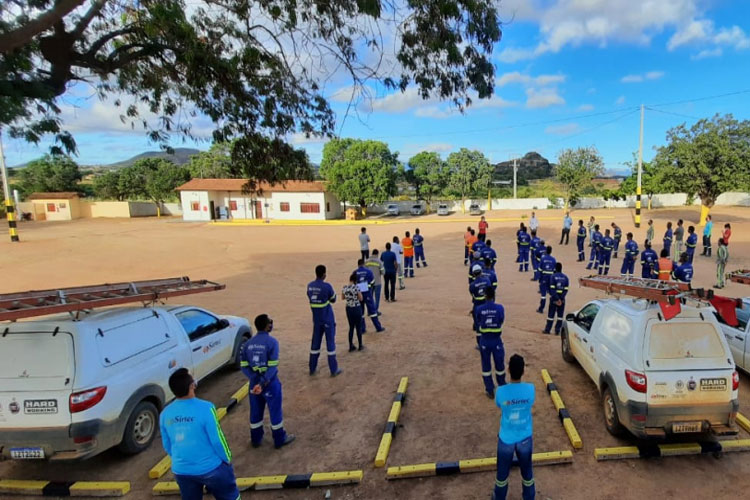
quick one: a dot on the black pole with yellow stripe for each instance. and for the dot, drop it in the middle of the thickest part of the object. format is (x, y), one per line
(10, 211)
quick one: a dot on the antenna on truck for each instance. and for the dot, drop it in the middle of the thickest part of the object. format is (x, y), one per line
(15, 306)
(668, 294)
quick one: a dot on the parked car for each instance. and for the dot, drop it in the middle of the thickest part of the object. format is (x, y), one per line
(443, 209)
(392, 209)
(417, 209)
(474, 209)
(655, 377)
(72, 389)
(737, 336)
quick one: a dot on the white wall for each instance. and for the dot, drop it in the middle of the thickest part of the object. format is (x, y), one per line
(294, 200)
(334, 204)
(187, 198)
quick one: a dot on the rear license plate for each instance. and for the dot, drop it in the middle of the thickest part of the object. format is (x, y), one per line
(27, 453)
(684, 427)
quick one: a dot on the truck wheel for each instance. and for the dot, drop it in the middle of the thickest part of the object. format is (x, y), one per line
(611, 419)
(140, 429)
(567, 355)
(245, 337)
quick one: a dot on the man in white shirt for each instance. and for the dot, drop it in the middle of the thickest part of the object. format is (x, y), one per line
(364, 244)
(534, 223)
(396, 248)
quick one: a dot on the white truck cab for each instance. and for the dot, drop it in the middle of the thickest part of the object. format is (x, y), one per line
(656, 377)
(70, 389)
(737, 336)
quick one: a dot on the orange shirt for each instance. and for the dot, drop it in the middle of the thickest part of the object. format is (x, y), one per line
(665, 268)
(466, 238)
(471, 240)
(408, 247)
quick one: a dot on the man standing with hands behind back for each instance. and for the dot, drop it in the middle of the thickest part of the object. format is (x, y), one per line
(364, 243)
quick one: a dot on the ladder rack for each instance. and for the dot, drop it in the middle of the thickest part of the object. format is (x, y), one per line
(740, 276)
(15, 306)
(644, 288)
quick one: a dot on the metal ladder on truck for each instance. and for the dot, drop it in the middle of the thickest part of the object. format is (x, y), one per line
(668, 294)
(15, 306)
(740, 276)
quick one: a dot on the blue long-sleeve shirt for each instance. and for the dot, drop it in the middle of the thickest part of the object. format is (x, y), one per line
(477, 290)
(558, 286)
(490, 317)
(259, 359)
(631, 250)
(192, 437)
(692, 240)
(684, 273)
(707, 229)
(364, 275)
(581, 232)
(321, 295)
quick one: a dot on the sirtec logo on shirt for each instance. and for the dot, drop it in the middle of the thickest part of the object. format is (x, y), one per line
(183, 420)
(517, 402)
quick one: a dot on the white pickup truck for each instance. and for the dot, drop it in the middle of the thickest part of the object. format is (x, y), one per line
(70, 389)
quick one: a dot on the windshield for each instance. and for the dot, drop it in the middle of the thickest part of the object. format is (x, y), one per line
(680, 341)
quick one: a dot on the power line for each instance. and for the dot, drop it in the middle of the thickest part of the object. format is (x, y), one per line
(698, 99)
(672, 113)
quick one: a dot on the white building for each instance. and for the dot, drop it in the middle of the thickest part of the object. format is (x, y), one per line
(210, 199)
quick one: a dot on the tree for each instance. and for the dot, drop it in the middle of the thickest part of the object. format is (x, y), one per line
(654, 180)
(360, 172)
(216, 163)
(575, 170)
(469, 173)
(107, 186)
(707, 159)
(51, 173)
(162, 181)
(428, 173)
(255, 68)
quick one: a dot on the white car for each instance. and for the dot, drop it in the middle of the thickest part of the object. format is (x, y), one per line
(443, 209)
(392, 209)
(474, 209)
(656, 377)
(417, 209)
(70, 389)
(737, 336)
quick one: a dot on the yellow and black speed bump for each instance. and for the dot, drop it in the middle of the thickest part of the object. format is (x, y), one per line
(290, 481)
(390, 427)
(562, 412)
(165, 463)
(64, 488)
(472, 465)
(743, 421)
(653, 450)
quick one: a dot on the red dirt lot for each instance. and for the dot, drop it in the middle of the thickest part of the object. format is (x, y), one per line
(339, 421)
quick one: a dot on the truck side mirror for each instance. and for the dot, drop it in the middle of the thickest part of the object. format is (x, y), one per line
(570, 317)
(223, 323)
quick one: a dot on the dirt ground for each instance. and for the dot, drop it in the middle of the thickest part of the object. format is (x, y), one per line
(339, 421)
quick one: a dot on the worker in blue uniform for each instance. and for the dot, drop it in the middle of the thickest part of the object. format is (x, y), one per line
(476, 250)
(472, 276)
(683, 272)
(489, 253)
(649, 262)
(477, 290)
(668, 235)
(524, 240)
(259, 361)
(418, 241)
(580, 240)
(558, 290)
(490, 317)
(321, 295)
(617, 237)
(533, 245)
(606, 244)
(489, 273)
(692, 241)
(595, 244)
(367, 279)
(631, 254)
(536, 256)
(546, 269)
(518, 242)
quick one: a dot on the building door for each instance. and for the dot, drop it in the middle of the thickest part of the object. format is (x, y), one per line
(258, 209)
(212, 210)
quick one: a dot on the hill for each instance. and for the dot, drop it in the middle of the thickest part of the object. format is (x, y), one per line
(180, 157)
(531, 167)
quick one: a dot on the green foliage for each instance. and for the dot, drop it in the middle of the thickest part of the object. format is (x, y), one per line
(429, 175)
(576, 168)
(148, 178)
(257, 69)
(107, 186)
(162, 181)
(216, 163)
(654, 180)
(51, 173)
(707, 159)
(531, 167)
(470, 172)
(359, 172)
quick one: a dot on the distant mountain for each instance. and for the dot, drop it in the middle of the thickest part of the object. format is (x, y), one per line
(180, 157)
(531, 167)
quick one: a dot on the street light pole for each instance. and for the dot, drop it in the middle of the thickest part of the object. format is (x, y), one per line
(515, 173)
(638, 185)
(9, 207)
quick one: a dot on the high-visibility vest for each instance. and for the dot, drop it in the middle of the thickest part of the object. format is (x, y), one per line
(471, 241)
(665, 268)
(408, 247)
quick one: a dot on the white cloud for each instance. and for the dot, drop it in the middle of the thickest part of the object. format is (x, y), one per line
(620, 100)
(693, 32)
(705, 54)
(398, 102)
(299, 138)
(704, 32)
(566, 129)
(651, 75)
(524, 79)
(543, 98)
(433, 147)
(493, 102)
(435, 112)
(512, 55)
(586, 107)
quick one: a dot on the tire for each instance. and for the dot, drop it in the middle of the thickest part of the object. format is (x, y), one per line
(245, 336)
(567, 355)
(611, 418)
(140, 429)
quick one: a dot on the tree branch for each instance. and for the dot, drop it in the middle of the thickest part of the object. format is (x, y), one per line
(23, 34)
(84, 22)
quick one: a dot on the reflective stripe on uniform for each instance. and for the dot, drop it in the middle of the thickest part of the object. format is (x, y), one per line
(315, 306)
(501, 484)
(487, 374)
(314, 352)
(273, 363)
(530, 482)
(490, 330)
(500, 372)
(277, 426)
(331, 353)
(260, 369)
(256, 425)
(244, 363)
(223, 439)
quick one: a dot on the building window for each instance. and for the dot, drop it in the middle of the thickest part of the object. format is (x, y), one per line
(284, 206)
(309, 208)
(328, 206)
(232, 205)
(51, 207)
(63, 205)
(195, 206)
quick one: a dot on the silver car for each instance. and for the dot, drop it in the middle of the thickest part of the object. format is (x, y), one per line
(443, 209)
(417, 209)
(392, 209)
(474, 209)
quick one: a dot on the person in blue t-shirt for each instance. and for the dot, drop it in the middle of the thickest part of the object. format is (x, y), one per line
(515, 437)
(192, 437)
(390, 266)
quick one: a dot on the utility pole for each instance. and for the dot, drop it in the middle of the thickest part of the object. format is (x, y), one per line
(9, 207)
(638, 185)
(515, 174)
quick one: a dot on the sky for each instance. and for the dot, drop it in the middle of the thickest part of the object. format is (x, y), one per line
(569, 73)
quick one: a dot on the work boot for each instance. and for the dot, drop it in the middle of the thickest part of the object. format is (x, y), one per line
(352, 348)
(425, 264)
(287, 440)
(335, 374)
(546, 332)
